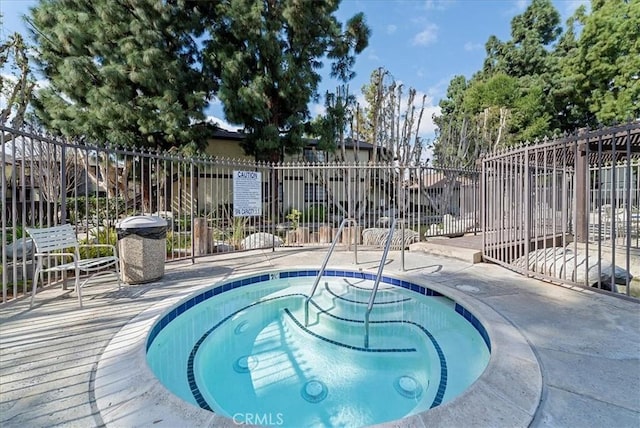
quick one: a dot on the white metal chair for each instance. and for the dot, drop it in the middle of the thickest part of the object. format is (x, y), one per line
(619, 216)
(61, 242)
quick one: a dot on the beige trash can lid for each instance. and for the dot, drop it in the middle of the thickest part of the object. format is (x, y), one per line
(142, 225)
(141, 222)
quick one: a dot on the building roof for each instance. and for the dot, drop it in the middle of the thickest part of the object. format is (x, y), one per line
(432, 179)
(223, 134)
(348, 143)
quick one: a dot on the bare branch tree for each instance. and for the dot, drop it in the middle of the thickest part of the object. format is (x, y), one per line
(17, 92)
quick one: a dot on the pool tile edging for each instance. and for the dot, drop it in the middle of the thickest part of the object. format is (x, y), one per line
(231, 285)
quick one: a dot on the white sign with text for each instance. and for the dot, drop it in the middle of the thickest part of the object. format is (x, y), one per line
(247, 193)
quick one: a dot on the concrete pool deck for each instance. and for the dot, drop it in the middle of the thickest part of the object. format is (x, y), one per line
(587, 344)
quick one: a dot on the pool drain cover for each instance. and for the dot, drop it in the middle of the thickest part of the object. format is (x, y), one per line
(245, 364)
(408, 387)
(314, 391)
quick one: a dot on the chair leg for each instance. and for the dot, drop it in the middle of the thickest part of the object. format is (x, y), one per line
(78, 287)
(36, 278)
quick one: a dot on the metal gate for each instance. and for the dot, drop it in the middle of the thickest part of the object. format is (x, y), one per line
(567, 210)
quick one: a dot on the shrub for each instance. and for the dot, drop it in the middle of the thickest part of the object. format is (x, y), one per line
(315, 213)
(100, 236)
(176, 241)
(19, 232)
(294, 217)
(183, 223)
(238, 231)
(88, 208)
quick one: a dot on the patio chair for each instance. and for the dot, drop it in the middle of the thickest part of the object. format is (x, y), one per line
(60, 242)
(619, 215)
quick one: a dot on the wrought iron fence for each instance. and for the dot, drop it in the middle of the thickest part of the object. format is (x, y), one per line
(565, 210)
(568, 210)
(47, 181)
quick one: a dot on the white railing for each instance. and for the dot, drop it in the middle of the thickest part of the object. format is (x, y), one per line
(326, 260)
(372, 298)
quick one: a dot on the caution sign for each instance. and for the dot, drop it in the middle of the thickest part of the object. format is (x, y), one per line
(247, 193)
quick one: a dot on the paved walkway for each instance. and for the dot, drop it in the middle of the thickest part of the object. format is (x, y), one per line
(587, 344)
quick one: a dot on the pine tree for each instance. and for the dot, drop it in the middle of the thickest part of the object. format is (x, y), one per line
(267, 54)
(122, 71)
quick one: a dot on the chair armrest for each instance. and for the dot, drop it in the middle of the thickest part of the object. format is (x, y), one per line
(54, 255)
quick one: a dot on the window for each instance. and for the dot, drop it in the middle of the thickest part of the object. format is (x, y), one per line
(315, 156)
(314, 193)
(267, 191)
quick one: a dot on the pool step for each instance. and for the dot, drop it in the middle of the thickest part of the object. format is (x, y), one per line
(387, 334)
(351, 302)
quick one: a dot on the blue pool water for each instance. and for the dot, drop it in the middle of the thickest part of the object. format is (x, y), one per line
(242, 349)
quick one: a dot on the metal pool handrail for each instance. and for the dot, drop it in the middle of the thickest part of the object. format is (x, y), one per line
(377, 283)
(324, 265)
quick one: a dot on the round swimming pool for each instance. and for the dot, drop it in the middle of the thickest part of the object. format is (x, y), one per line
(249, 350)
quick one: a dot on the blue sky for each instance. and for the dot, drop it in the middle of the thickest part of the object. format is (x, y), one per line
(422, 43)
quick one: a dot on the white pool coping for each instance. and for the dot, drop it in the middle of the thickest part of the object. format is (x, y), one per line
(128, 394)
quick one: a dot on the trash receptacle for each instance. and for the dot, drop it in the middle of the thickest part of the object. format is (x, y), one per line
(142, 248)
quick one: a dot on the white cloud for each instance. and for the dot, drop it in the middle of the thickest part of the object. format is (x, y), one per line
(427, 126)
(222, 123)
(439, 90)
(391, 29)
(215, 102)
(11, 80)
(515, 7)
(317, 110)
(8, 78)
(438, 4)
(570, 6)
(8, 83)
(42, 83)
(521, 5)
(426, 37)
(427, 130)
(469, 46)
